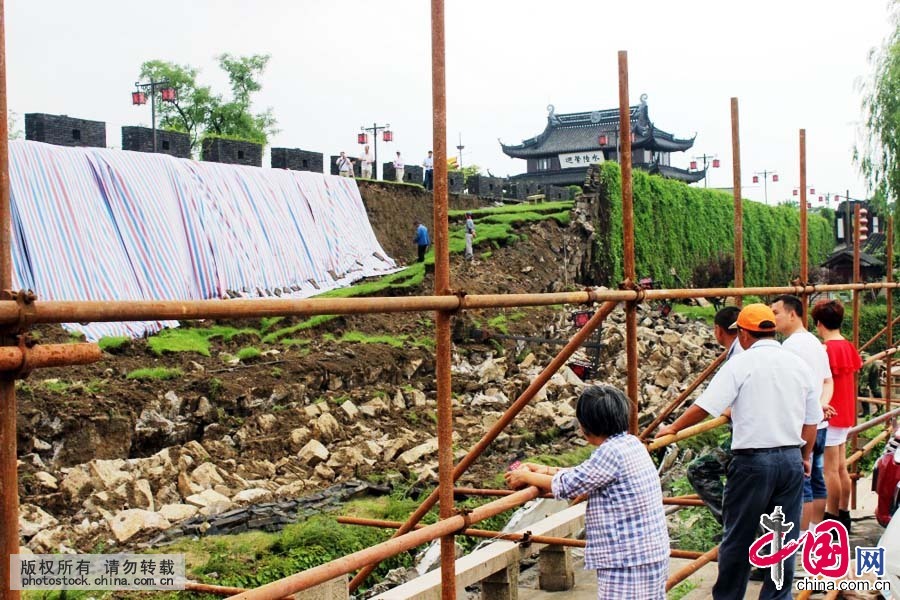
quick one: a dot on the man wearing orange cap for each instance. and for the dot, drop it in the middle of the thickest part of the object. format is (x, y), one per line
(774, 411)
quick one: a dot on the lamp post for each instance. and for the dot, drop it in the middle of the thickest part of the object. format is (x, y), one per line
(363, 138)
(138, 97)
(460, 148)
(765, 175)
(708, 159)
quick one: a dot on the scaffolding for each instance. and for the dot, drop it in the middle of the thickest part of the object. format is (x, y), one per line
(19, 311)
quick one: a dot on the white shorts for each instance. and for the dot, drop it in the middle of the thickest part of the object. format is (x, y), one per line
(836, 436)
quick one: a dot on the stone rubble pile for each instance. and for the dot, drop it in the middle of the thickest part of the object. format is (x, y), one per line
(128, 501)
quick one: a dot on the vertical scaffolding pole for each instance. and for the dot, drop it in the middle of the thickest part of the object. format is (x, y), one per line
(854, 439)
(628, 239)
(442, 287)
(889, 379)
(738, 203)
(9, 481)
(804, 235)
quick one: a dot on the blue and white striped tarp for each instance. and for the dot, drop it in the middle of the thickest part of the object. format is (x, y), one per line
(97, 224)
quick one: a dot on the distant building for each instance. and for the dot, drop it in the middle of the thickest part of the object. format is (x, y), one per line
(871, 243)
(560, 155)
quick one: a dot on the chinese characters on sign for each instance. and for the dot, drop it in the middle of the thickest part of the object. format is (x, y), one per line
(580, 159)
(97, 572)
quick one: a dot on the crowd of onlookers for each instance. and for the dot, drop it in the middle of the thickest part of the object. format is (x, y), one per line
(367, 163)
(791, 405)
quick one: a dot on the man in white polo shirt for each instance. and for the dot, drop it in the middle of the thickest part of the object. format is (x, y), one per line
(790, 322)
(774, 411)
(365, 164)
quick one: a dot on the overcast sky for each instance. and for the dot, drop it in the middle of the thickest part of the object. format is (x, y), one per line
(337, 65)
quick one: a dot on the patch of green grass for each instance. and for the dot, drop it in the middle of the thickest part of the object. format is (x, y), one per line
(309, 323)
(192, 339)
(266, 323)
(486, 255)
(113, 342)
(154, 374)
(56, 386)
(249, 353)
(276, 372)
(499, 323)
(704, 313)
(681, 590)
(541, 207)
(568, 459)
(358, 337)
(295, 342)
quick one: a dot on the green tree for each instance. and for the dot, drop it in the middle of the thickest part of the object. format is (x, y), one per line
(879, 155)
(200, 112)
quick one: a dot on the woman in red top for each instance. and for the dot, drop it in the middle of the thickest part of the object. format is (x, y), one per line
(841, 411)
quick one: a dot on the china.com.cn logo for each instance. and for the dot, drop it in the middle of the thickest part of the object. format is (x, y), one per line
(826, 550)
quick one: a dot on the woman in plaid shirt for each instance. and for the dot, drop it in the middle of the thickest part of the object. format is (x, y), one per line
(627, 538)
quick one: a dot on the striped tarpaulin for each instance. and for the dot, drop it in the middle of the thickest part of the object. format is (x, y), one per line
(97, 224)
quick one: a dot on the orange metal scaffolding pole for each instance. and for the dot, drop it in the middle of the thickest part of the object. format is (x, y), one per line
(804, 236)
(738, 202)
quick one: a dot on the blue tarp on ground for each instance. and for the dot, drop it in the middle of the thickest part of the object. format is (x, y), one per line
(97, 224)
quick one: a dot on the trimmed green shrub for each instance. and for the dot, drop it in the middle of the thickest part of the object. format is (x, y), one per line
(678, 226)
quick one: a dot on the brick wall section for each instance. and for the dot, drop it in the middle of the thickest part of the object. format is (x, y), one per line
(456, 182)
(140, 139)
(411, 173)
(553, 192)
(296, 159)
(485, 187)
(232, 152)
(63, 130)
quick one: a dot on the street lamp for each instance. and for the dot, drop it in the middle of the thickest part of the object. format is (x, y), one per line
(708, 159)
(363, 138)
(765, 175)
(139, 97)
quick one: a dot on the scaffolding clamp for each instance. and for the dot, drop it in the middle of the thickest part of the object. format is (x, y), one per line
(24, 300)
(526, 540)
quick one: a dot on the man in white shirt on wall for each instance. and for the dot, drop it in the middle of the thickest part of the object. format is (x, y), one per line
(399, 168)
(345, 166)
(365, 163)
(428, 166)
(791, 323)
(775, 411)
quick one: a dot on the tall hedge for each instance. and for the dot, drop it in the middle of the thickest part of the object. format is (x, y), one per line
(679, 226)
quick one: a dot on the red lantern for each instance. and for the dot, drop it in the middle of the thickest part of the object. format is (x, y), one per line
(693, 164)
(755, 179)
(388, 135)
(362, 138)
(138, 98)
(821, 198)
(796, 192)
(603, 140)
(837, 198)
(775, 177)
(715, 163)
(812, 191)
(168, 94)
(809, 205)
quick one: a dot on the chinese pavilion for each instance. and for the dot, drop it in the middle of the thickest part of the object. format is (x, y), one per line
(570, 142)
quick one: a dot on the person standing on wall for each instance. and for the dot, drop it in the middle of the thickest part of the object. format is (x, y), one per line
(470, 235)
(428, 166)
(345, 166)
(365, 163)
(790, 322)
(775, 411)
(399, 168)
(421, 240)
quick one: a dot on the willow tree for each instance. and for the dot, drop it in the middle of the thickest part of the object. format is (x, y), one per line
(878, 156)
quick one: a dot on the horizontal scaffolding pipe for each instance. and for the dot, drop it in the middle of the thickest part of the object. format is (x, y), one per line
(872, 422)
(499, 535)
(879, 334)
(461, 491)
(373, 554)
(686, 433)
(688, 570)
(881, 355)
(57, 311)
(49, 355)
(853, 458)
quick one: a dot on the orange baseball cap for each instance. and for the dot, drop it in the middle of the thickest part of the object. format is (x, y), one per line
(755, 317)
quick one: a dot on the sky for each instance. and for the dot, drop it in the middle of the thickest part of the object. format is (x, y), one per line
(336, 66)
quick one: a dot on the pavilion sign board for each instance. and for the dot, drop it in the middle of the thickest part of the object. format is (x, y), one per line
(580, 159)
